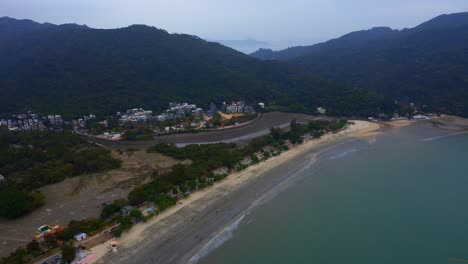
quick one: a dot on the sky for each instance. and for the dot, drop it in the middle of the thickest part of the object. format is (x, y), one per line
(242, 24)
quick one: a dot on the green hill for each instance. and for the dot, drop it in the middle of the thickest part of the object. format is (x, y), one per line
(427, 65)
(74, 69)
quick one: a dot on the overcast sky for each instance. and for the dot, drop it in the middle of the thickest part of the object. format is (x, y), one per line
(279, 23)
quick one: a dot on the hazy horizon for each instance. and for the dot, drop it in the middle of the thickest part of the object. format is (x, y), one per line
(240, 24)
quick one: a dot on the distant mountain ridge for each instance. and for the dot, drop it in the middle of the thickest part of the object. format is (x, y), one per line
(74, 70)
(427, 64)
(446, 21)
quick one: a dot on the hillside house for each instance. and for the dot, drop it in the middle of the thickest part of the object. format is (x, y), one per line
(127, 210)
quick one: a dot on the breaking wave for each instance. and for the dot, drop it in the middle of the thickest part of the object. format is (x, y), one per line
(444, 136)
(343, 153)
(216, 241)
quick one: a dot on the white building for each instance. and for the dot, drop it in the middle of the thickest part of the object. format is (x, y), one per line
(321, 110)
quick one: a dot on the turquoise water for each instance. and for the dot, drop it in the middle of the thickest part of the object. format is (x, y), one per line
(399, 200)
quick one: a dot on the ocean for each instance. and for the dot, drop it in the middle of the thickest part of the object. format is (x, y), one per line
(400, 199)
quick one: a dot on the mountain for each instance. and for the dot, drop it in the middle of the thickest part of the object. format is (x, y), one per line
(73, 70)
(347, 43)
(456, 20)
(427, 65)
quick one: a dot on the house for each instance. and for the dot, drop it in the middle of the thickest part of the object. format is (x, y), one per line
(147, 211)
(45, 229)
(221, 171)
(80, 236)
(421, 117)
(249, 109)
(161, 118)
(321, 110)
(127, 210)
(212, 110)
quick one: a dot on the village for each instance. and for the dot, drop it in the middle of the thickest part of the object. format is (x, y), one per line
(177, 118)
(33, 122)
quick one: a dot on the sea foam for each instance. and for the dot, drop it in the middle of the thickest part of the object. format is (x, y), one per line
(223, 236)
(444, 136)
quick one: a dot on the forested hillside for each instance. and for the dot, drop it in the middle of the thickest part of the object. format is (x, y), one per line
(427, 65)
(74, 69)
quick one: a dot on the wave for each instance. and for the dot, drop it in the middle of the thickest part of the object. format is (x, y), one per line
(342, 149)
(223, 236)
(444, 136)
(343, 153)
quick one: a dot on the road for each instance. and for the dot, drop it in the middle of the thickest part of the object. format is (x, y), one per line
(246, 132)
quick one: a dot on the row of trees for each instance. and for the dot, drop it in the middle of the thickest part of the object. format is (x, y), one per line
(207, 158)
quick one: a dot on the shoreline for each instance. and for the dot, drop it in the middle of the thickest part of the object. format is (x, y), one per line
(175, 218)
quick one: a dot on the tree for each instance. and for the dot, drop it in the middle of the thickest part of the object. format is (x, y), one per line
(137, 195)
(136, 213)
(68, 253)
(112, 208)
(33, 246)
(254, 158)
(276, 134)
(179, 173)
(50, 240)
(15, 202)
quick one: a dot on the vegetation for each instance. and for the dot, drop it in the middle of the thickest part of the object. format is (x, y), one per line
(20, 256)
(164, 190)
(109, 209)
(88, 226)
(426, 65)
(15, 202)
(31, 160)
(79, 70)
(138, 131)
(207, 158)
(68, 252)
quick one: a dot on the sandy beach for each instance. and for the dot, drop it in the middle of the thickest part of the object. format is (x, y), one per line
(181, 231)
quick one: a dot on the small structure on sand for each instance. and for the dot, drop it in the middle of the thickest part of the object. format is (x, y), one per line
(113, 246)
(80, 236)
(46, 229)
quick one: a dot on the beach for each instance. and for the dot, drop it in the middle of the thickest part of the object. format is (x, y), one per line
(177, 234)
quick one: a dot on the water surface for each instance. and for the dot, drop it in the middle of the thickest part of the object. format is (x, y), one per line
(401, 199)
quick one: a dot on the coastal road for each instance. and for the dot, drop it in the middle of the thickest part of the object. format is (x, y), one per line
(177, 238)
(256, 128)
